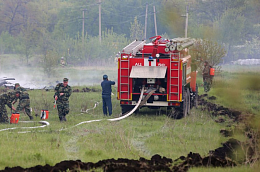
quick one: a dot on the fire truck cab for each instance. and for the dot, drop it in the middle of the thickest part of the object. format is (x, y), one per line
(162, 65)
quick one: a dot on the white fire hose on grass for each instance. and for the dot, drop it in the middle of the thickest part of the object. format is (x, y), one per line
(139, 104)
(115, 119)
(44, 124)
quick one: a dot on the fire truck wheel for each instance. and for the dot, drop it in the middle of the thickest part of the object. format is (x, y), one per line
(175, 113)
(184, 104)
(188, 101)
(195, 103)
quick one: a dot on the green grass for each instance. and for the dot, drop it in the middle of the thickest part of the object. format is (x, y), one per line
(140, 135)
(238, 90)
(226, 169)
(192, 134)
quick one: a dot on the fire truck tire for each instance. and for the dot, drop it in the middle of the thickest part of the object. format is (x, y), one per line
(188, 101)
(174, 113)
(184, 104)
(195, 102)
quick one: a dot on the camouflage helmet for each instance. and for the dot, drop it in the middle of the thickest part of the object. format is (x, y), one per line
(17, 84)
(65, 80)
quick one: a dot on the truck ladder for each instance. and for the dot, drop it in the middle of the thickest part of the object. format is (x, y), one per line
(174, 80)
(124, 79)
(134, 47)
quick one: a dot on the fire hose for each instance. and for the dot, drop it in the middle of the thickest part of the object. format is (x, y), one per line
(44, 124)
(122, 117)
(139, 104)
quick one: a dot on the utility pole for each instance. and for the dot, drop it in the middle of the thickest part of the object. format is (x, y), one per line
(155, 24)
(100, 21)
(186, 21)
(145, 25)
(83, 26)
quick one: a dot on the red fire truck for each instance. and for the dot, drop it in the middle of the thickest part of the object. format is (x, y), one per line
(163, 65)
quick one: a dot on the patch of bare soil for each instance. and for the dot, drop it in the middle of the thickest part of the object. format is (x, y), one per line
(217, 158)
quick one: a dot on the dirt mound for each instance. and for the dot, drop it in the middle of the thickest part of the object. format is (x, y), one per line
(234, 118)
(218, 110)
(218, 158)
(226, 133)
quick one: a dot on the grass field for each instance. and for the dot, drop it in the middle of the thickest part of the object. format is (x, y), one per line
(140, 135)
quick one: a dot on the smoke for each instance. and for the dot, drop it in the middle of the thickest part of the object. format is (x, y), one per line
(35, 78)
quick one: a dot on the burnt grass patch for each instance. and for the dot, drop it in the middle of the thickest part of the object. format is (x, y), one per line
(225, 156)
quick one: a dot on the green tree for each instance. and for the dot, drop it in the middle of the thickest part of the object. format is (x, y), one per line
(136, 30)
(231, 26)
(7, 43)
(206, 50)
(252, 48)
(171, 17)
(230, 29)
(12, 15)
(50, 63)
(28, 40)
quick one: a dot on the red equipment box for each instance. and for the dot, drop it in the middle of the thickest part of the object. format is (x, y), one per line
(14, 118)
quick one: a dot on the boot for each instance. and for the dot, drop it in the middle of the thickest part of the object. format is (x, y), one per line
(31, 117)
(64, 118)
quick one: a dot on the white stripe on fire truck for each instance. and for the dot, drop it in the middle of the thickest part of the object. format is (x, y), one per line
(146, 62)
(149, 63)
(153, 63)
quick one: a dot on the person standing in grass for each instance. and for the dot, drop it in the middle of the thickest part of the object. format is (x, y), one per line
(61, 96)
(206, 76)
(7, 99)
(106, 95)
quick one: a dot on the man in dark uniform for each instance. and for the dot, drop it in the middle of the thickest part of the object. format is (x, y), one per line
(7, 99)
(206, 76)
(106, 95)
(61, 96)
(24, 101)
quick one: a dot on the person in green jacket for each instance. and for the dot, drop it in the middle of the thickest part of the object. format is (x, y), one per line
(7, 99)
(61, 96)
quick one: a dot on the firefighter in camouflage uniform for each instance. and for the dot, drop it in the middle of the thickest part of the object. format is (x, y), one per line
(206, 77)
(24, 101)
(61, 96)
(7, 99)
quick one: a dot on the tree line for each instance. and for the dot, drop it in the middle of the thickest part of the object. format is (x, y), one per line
(54, 28)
